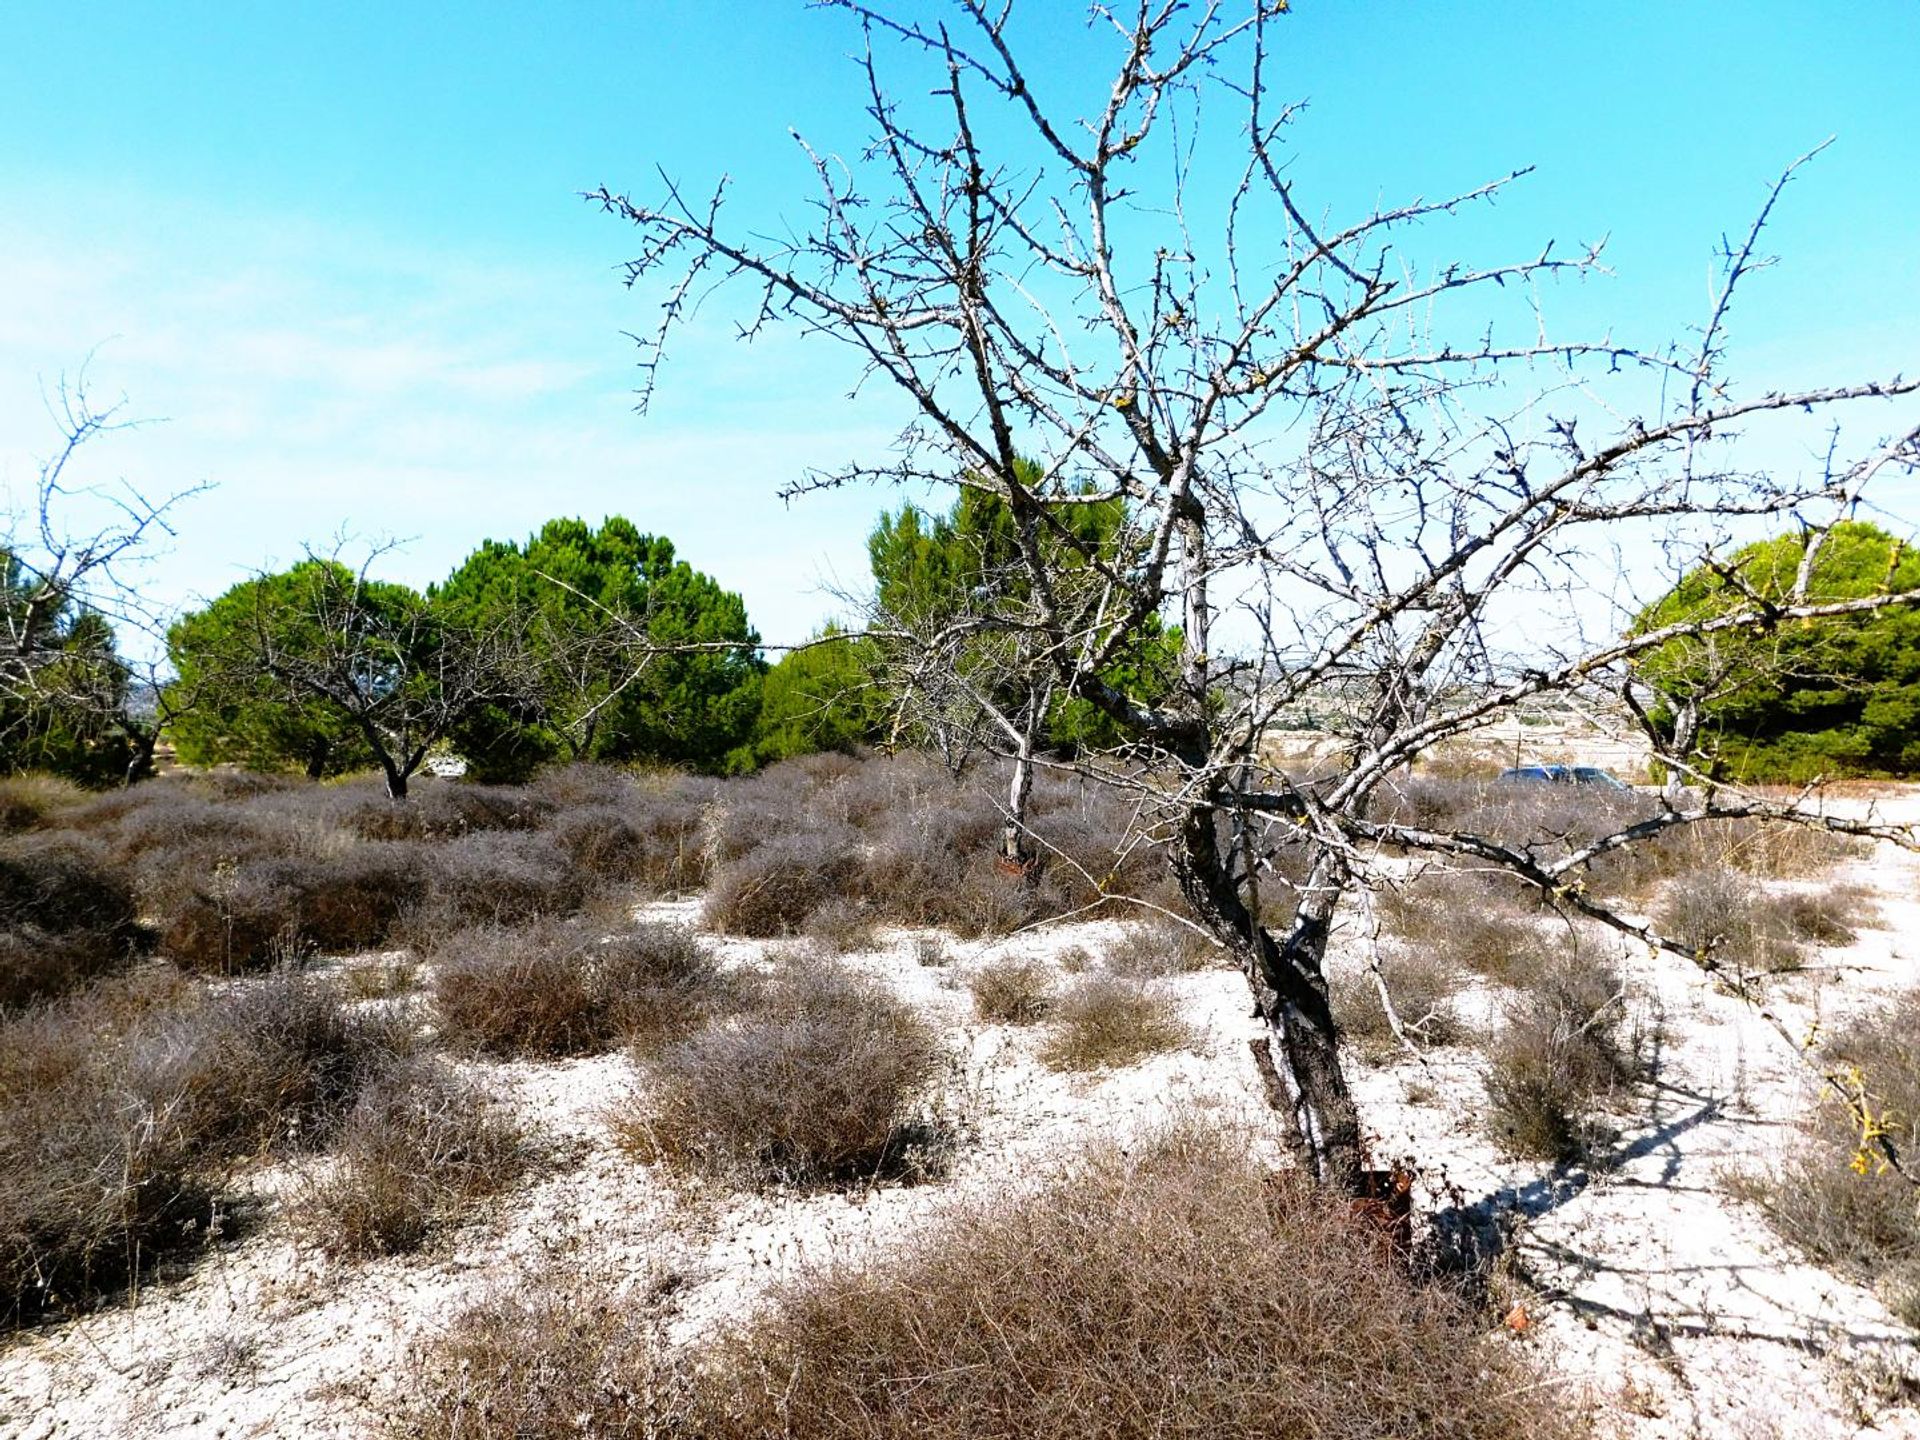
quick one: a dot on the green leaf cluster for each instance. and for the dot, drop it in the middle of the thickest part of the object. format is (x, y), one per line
(1794, 699)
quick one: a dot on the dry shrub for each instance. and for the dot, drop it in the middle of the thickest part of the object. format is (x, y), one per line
(827, 1077)
(556, 1357)
(1564, 1048)
(123, 1108)
(93, 1176)
(29, 801)
(1011, 990)
(66, 917)
(1845, 1211)
(553, 988)
(772, 890)
(1736, 921)
(494, 878)
(841, 926)
(273, 1063)
(244, 916)
(1177, 1291)
(1422, 988)
(1161, 946)
(1474, 921)
(419, 1151)
(433, 809)
(1104, 1021)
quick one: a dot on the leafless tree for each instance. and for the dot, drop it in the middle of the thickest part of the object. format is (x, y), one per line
(70, 605)
(1365, 483)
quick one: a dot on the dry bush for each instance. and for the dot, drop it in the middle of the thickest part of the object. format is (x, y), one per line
(1422, 988)
(274, 1063)
(419, 1151)
(558, 1356)
(1472, 920)
(828, 1077)
(1847, 1212)
(66, 917)
(1011, 990)
(1161, 946)
(1103, 1021)
(244, 916)
(1565, 1046)
(29, 801)
(493, 878)
(841, 927)
(553, 988)
(1177, 1291)
(93, 1176)
(771, 890)
(1738, 922)
(433, 809)
(122, 1110)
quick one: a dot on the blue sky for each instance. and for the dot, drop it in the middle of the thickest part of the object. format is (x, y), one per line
(339, 249)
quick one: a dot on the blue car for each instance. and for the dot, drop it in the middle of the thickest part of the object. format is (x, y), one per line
(1563, 775)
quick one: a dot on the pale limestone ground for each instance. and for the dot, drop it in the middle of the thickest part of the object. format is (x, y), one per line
(1665, 1306)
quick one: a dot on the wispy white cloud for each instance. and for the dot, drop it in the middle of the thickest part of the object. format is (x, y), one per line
(330, 382)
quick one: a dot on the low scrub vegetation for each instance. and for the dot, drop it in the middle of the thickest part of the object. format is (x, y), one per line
(66, 917)
(1566, 1045)
(1831, 1196)
(1104, 1021)
(556, 987)
(1470, 921)
(1740, 923)
(1422, 988)
(1011, 990)
(124, 1108)
(826, 1077)
(419, 1152)
(1161, 946)
(1179, 1290)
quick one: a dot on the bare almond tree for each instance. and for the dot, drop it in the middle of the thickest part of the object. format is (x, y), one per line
(68, 601)
(1366, 482)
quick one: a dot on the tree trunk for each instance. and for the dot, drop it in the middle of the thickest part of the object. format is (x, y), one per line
(1686, 727)
(396, 779)
(1290, 995)
(1015, 847)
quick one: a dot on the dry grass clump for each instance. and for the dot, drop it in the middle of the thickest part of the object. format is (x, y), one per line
(66, 917)
(1422, 988)
(419, 1151)
(772, 890)
(30, 801)
(1564, 1048)
(555, 988)
(1104, 1021)
(1174, 1291)
(1473, 921)
(123, 1109)
(558, 1356)
(239, 917)
(495, 877)
(841, 927)
(1178, 1291)
(1161, 946)
(1011, 990)
(826, 1077)
(1733, 919)
(1847, 1212)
